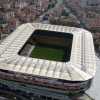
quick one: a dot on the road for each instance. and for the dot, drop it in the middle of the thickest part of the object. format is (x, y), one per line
(59, 2)
(94, 91)
(73, 11)
(10, 96)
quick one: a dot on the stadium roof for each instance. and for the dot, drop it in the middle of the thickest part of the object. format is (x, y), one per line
(82, 64)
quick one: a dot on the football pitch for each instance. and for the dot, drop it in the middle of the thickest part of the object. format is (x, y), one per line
(48, 53)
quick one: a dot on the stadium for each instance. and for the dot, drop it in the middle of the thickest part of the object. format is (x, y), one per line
(57, 58)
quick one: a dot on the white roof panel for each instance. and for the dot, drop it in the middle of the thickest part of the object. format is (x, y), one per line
(82, 64)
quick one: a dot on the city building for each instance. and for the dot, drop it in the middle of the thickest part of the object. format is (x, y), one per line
(25, 74)
(92, 3)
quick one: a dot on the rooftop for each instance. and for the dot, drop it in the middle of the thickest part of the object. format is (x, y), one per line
(80, 67)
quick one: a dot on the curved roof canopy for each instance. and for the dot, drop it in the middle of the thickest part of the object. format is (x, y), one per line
(82, 64)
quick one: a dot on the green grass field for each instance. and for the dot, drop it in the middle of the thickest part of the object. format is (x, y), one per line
(48, 53)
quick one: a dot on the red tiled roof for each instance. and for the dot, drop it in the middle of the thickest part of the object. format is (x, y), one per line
(94, 22)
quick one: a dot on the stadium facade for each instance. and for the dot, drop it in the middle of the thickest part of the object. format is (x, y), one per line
(27, 74)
